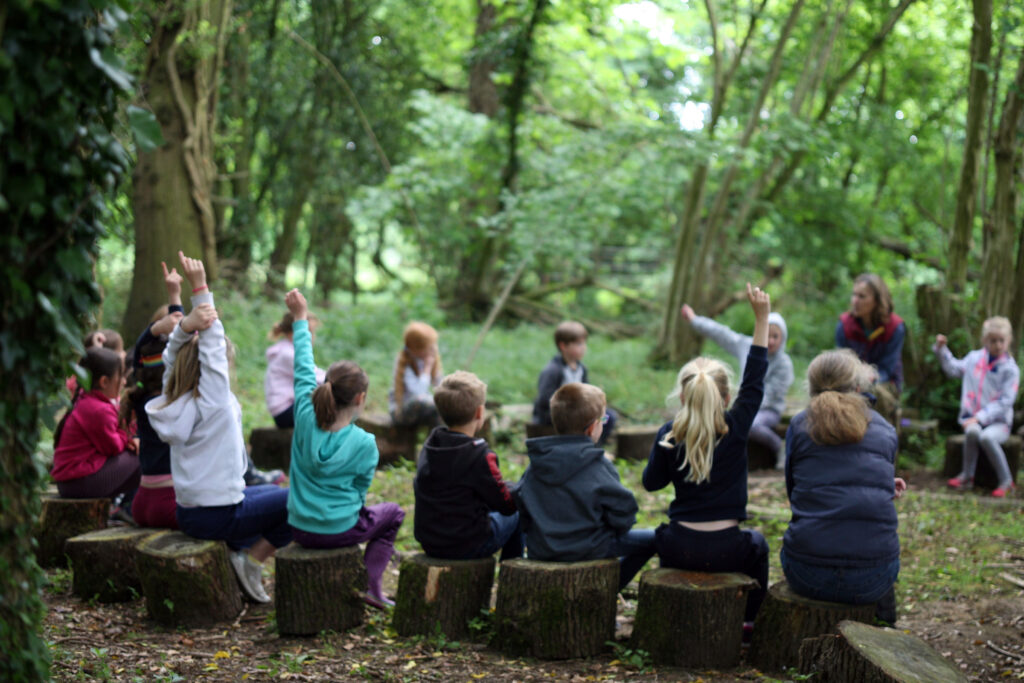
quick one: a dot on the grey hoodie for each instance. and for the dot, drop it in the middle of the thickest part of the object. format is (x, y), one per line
(779, 376)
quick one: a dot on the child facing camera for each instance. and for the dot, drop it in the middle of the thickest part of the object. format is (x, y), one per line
(333, 462)
(991, 378)
(703, 454)
(417, 372)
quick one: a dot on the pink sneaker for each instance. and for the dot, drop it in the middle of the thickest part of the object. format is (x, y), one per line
(960, 484)
(1002, 492)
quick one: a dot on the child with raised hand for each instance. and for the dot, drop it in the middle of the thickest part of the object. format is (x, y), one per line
(703, 454)
(93, 456)
(278, 383)
(417, 372)
(201, 420)
(991, 378)
(333, 462)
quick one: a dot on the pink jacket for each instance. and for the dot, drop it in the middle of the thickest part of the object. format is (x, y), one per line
(91, 435)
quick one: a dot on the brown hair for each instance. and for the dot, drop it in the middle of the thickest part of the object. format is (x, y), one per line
(97, 363)
(284, 326)
(160, 313)
(575, 406)
(838, 412)
(144, 380)
(702, 386)
(569, 331)
(883, 299)
(345, 380)
(418, 337)
(458, 397)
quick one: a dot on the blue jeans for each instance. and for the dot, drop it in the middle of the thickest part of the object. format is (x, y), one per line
(633, 549)
(263, 513)
(850, 585)
(506, 534)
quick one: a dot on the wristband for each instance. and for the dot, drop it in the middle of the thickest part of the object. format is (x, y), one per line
(199, 289)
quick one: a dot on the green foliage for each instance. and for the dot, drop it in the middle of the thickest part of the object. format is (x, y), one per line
(58, 160)
(633, 658)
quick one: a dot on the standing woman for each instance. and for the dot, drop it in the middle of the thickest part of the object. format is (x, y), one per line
(872, 331)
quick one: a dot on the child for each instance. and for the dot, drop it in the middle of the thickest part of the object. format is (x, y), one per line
(463, 508)
(279, 380)
(703, 453)
(417, 371)
(333, 462)
(777, 379)
(571, 504)
(565, 367)
(841, 544)
(201, 420)
(98, 339)
(92, 455)
(990, 384)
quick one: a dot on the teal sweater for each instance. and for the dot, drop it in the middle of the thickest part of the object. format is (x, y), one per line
(330, 471)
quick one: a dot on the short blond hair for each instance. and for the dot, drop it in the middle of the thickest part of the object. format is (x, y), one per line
(997, 325)
(458, 396)
(575, 406)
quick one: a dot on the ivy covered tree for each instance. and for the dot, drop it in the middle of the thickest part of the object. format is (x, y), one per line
(58, 163)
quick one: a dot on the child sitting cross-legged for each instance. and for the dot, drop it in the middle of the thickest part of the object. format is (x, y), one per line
(572, 505)
(463, 507)
(333, 462)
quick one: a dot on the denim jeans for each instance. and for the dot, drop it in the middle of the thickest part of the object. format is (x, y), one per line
(633, 549)
(263, 513)
(506, 534)
(851, 585)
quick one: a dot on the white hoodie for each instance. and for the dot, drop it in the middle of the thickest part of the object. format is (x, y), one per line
(208, 458)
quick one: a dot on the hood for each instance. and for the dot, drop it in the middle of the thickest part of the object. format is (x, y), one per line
(280, 349)
(173, 422)
(555, 460)
(449, 453)
(777, 320)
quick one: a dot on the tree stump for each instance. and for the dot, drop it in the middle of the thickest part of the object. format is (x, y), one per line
(984, 476)
(556, 610)
(393, 442)
(271, 448)
(710, 634)
(187, 581)
(441, 594)
(318, 590)
(62, 518)
(869, 654)
(103, 563)
(759, 457)
(786, 619)
(634, 442)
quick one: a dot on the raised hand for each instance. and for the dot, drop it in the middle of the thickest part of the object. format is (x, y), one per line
(687, 313)
(200, 318)
(759, 301)
(165, 325)
(297, 305)
(940, 341)
(172, 281)
(193, 270)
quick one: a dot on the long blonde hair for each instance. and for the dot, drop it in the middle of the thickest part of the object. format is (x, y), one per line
(702, 387)
(838, 412)
(417, 338)
(185, 373)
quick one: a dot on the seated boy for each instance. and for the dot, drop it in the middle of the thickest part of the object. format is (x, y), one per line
(567, 366)
(463, 508)
(572, 505)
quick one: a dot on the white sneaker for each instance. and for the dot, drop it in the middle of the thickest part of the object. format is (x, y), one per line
(249, 576)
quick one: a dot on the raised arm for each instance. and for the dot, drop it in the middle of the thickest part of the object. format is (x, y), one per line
(731, 341)
(305, 377)
(951, 365)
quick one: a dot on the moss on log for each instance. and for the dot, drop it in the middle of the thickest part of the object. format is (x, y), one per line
(187, 581)
(869, 654)
(984, 476)
(436, 594)
(691, 619)
(271, 448)
(62, 518)
(556, 610)
(786, 619)
(103, 563)
(318, 590)
(634, 442)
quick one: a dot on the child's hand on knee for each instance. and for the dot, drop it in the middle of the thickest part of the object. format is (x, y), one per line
(200, 318)
(970, 421)
(297, 305)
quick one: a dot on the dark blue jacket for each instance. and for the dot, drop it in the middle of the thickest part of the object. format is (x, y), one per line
(549, 381)
(841, 498)
(571, 503)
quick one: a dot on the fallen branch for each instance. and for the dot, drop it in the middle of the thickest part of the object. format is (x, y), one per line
(495, 310)
(1006, 653)
(1016, 581)
(527, 309)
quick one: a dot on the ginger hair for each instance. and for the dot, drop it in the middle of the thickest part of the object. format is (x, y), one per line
(702, 388)
(344, 382)
(418, 338)
(458, 396)
(575, 406)
(838, 413)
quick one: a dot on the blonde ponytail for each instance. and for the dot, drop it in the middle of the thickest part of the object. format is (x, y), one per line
(838, 413)
(185, 373)
(702, 387)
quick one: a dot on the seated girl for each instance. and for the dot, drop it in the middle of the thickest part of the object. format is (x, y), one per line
(417, 372)
(278, 382)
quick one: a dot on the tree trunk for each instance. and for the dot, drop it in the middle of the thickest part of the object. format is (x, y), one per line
(318, 590)
(103, 563)
(442, 595)
(967, 188)
(63, 518)
(483, 92)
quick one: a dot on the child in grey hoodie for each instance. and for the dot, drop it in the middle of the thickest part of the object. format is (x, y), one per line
(777, 380)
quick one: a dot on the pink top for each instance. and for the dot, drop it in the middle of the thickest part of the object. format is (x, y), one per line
(91, 435)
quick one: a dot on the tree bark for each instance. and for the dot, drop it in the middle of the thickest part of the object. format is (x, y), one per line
(63, 518)
(442, 595)
(483, 92)
(318, 590)
(103, 563)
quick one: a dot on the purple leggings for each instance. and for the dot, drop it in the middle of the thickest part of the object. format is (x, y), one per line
(119, 474)
(377, 526)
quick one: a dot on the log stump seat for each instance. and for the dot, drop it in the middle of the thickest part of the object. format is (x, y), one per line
(556, 610)
(62, 518)
(187, 581)
(271, 448)
(634, 442)
(984, 475)
(786, 618)
(691, 619)
(441, 595)
(318, 590)
(869, 654)
(394, 442)
(103, 563)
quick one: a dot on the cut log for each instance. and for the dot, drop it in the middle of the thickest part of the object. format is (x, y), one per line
(869, 654)
(435, 594)
(393, 441)
(556, 610)
(710, 632)
(103, 563)
(634, 442)
(786, 618)
(62, 518)
(271, 448)
(318, 590)
(187, 581)
(534, 430)
(984, 476)
(759, 457)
